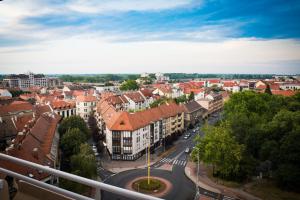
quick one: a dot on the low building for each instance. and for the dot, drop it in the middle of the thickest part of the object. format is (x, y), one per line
(231, 86)
(38, 142)
(85, 106)
(64, 108)
(290, 86)
(167, 91)
(193, 113)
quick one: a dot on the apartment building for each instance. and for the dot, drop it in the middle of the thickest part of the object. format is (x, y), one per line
(129, 134)
(193, 113)
(24, 81)
(212, 102)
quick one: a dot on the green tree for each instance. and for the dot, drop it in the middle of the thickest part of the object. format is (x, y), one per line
(82, 164)
(129, 85)
(268, 90)
(159, 101)
(74, 121)
(71, 141)
(220, 149)
(181, 99)
(191, 96)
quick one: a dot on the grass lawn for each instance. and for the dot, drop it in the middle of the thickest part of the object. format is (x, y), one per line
(155, 186)
(267, 190)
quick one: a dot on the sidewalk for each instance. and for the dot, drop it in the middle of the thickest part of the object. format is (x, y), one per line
(208, 184)
(116, 166)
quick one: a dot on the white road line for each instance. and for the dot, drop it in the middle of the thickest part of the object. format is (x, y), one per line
(174, 162)
(184, 163)
(162, 160)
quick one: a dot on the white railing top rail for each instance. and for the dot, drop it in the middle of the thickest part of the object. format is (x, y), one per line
(85, 181)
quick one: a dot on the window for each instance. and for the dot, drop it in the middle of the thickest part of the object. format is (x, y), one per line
(85, 104)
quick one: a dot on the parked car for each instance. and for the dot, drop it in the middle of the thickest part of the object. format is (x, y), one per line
(187, 150)
(185, 137)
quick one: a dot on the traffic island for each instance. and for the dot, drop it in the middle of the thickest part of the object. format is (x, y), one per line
(157, 186)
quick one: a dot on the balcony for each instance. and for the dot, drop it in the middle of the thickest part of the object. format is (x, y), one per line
(29, 188)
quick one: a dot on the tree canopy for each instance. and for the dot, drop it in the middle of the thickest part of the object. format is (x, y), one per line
(267, 127)
(219, 148)
(71, 141)
(129, 85)
(73, 122)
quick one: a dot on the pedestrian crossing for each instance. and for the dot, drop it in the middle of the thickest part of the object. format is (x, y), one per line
(173, 161)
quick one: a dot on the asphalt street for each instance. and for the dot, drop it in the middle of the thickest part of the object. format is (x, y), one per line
(183, 188)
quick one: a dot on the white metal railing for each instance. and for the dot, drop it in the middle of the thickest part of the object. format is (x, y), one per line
(85, 181)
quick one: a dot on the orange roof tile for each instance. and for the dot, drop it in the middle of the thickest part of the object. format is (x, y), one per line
(286, 93)
(83, 98)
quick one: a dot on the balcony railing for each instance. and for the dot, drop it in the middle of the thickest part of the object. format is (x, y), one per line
(85, 181)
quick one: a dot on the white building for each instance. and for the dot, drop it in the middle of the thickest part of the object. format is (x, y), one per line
(85, 106)
(24, 81)
(160, 77)
(63, 108)
(129, 134)
(290, 86)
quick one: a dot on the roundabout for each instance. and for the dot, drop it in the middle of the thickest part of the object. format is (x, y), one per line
(165, 184)
(157, 186)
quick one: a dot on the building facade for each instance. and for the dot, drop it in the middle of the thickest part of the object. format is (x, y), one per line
(24, 81)
(85, 106)
(129, 134)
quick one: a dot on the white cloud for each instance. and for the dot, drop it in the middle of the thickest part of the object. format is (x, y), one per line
(96, 6)
(95, 55)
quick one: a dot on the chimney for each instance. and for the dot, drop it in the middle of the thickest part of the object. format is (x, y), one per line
(1, 120)
(35, 153)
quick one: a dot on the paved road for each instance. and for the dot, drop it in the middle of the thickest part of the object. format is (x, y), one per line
(183, 188)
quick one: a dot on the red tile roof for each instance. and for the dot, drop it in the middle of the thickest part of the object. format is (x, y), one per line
(213, 81)
(34, 146)
(133, 121)
(147, 92)
(286, 93)
(60, 104)
(15, 106)
(229, 84)
(83, 98)
(135, 96)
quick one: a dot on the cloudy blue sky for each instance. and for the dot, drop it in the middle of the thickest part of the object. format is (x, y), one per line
(134, 36)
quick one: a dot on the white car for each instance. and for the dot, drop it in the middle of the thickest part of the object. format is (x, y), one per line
(187, 150)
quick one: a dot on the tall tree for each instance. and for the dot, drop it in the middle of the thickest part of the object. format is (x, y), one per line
(73, 122)
(71, 141)
(220, 149)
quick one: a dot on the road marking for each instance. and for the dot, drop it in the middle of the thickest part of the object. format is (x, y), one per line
(184, 163)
